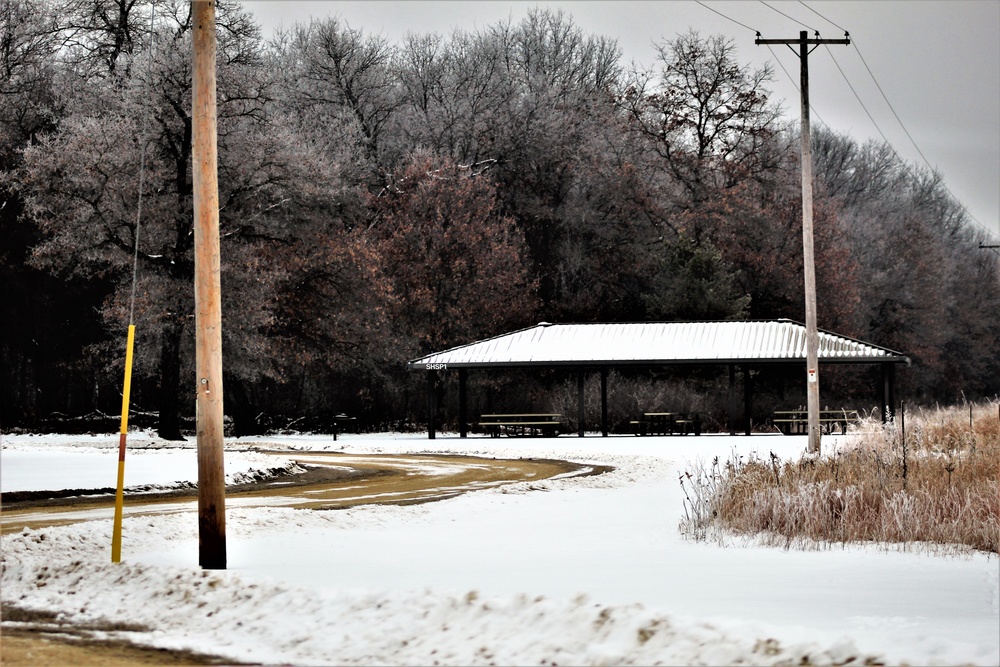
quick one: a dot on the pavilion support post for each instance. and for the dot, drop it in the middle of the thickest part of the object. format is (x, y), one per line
(604, 402)
(463, 403)
(891, 389)
(431, 407)
(747, 397)
(579, 403)
(882, 393)
(887, 393)
(732, 399)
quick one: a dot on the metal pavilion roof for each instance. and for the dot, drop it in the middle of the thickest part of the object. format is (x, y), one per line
(654, 343)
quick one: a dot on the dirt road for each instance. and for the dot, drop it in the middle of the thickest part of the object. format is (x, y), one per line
(330, 480)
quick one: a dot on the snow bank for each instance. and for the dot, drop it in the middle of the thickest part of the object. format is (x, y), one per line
(261, 620)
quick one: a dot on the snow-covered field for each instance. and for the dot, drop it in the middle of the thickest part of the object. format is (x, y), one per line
(571, 571)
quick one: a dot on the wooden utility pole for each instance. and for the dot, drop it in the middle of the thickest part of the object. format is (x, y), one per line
(808, 263)
(207, 293)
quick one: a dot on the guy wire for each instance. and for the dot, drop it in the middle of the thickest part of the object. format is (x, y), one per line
(142, 164)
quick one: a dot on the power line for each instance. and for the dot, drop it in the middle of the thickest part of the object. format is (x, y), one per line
(773, 54)
(868, 113)
(889, 143)
(821, 16)
(884, 97)
(788, 17)
(898, 119)
(142, 163)
(726, 17)
(858, 97)
(782, 66)
(910, 137)
(791, 80)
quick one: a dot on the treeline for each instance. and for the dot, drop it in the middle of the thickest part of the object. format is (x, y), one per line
(379, 201)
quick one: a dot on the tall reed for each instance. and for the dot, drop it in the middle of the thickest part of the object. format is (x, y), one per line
(936, 483)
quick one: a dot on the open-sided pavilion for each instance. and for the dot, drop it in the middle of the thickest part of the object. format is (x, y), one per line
(598, 348)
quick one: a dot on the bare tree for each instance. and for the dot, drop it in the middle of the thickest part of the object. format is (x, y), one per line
(29, 44)
(81, 187)
(709, 118)
(337, 69)
(98, 33)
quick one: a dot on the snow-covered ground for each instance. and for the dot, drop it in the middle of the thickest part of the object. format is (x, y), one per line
(585, 570)
(59, 462)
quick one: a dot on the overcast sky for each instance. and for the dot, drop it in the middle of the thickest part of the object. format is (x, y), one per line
(937, 62)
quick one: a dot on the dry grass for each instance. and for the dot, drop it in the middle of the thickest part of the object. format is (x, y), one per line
(940, 484)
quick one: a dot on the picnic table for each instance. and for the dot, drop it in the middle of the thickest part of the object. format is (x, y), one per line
(666, 423)
(522, 424)
(796, 422)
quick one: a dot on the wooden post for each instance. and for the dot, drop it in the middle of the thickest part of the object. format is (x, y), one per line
(579, 402)
(207, 294)
(809, 265)
(808, 261)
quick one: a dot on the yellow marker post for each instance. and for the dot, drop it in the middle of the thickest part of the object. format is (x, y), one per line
(116, 537)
